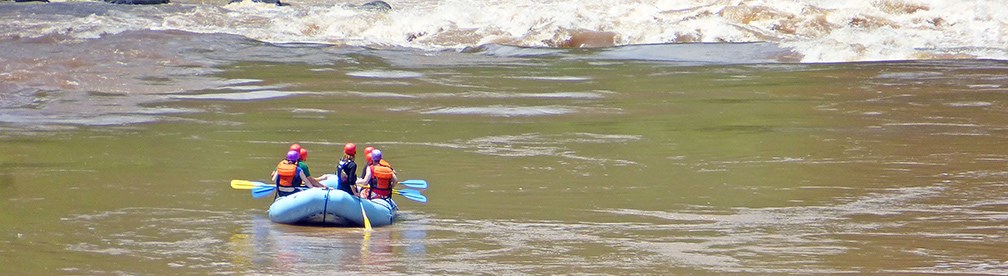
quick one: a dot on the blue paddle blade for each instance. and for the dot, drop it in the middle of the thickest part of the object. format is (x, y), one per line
(263, 191)
(418, 184)
(413, 195)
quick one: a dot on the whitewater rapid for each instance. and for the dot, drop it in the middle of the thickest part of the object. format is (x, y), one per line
(816, 31)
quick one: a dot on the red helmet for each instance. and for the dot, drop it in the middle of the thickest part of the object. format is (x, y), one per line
(303, 153)
(296, 147)
(367, 157)
(368, 150)
(350, 149)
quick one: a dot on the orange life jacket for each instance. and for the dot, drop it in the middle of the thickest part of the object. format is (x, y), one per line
(381, 174)
(288, 174)
(370, 168)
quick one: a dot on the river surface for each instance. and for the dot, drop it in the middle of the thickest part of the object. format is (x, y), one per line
(116, 154)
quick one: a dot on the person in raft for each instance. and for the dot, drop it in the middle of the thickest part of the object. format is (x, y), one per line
(346, 170)
(367, 168)
(380, 177)
(288, 177)
(367, 158)
(303, 156)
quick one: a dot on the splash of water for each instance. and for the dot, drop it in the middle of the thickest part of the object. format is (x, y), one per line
(818, 31)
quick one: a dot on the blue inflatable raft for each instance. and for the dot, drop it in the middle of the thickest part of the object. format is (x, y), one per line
(331, 207)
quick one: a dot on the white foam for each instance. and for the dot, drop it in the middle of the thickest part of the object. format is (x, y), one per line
(819, 31)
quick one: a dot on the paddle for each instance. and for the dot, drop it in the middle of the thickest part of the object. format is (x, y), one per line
(413, 195)
(259, 189)
(418, 184)
(410, 194)
(246, 185)
(367, 222)
(263, 191)
(266, 189)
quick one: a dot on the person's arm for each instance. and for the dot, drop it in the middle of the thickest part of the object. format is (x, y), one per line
(315, 182)
(312, 182)
(366, 178)
(395, 180)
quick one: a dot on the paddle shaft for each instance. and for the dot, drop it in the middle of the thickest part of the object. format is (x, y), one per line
(414, 195)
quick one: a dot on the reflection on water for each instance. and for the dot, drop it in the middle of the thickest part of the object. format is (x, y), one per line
(276, 248)
(285, 248)
(196, 240)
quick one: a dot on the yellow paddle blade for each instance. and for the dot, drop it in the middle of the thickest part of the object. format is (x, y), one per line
(243, 184)
(367, 222)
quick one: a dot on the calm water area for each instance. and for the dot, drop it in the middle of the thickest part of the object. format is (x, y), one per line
(568, 162)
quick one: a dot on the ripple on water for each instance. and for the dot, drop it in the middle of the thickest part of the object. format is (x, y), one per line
(554, 78)
(969, 104)
(252, 87)
(558, 145)
(310, 110)
(153, 233)
(934, 124)
(556, 95)
(390, 74)
(800, 234)
(919, 75)
(66, 119)
(983, 86)
(503, 111)
(240, 96)
(536, 144)
(378, 94)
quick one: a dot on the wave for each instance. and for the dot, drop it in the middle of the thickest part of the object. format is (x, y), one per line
(816, 31)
